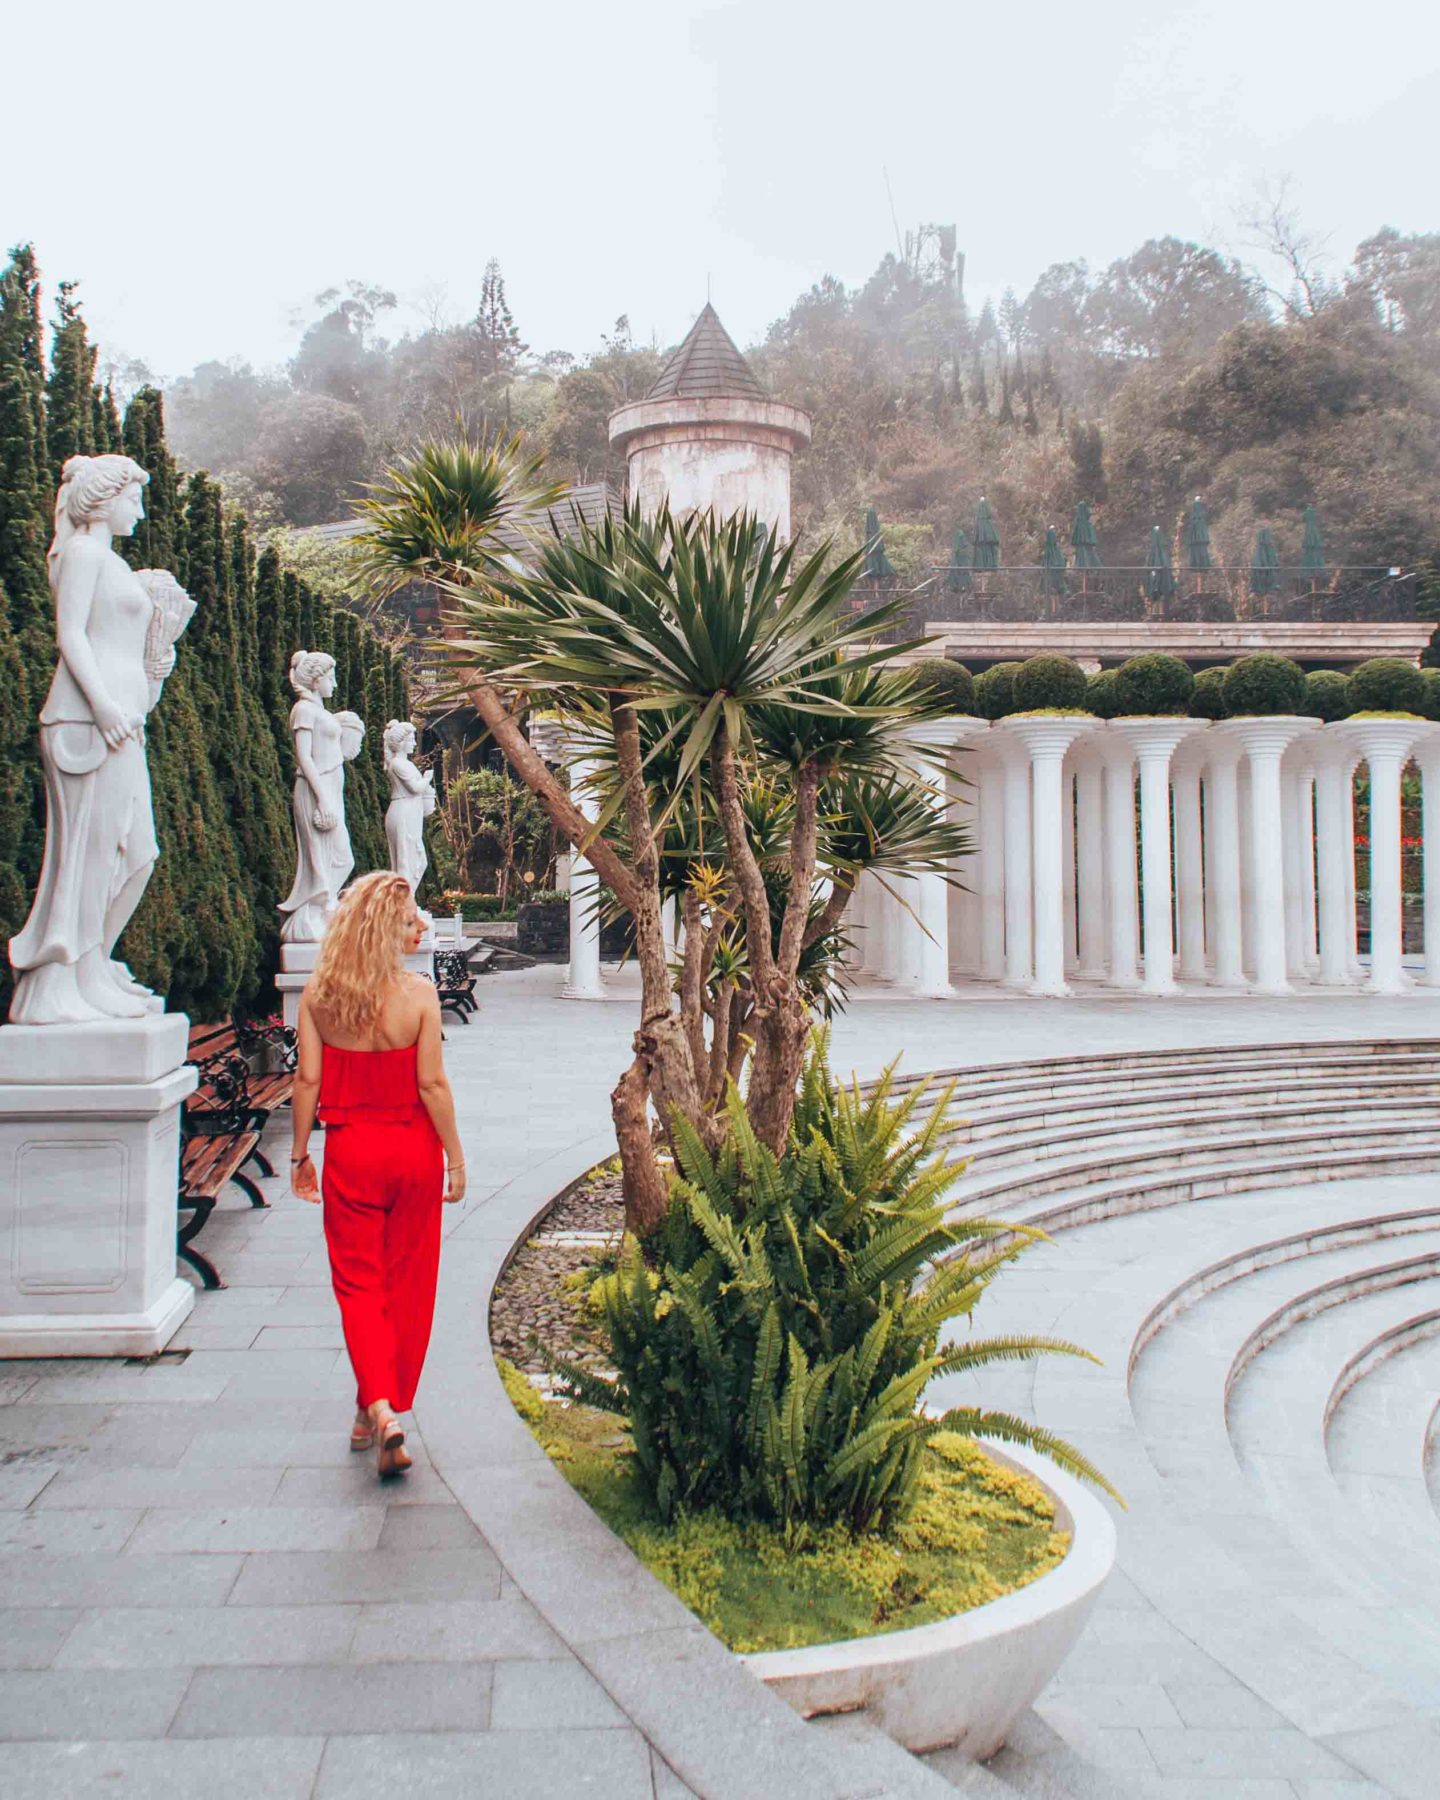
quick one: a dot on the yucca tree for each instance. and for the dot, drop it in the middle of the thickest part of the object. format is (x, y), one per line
(706, 664)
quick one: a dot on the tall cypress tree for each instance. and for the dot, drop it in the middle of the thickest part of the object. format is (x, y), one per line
(70, 394)
(156, 541)
(17, 800)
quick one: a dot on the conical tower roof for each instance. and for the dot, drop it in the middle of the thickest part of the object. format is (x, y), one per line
(707, 365)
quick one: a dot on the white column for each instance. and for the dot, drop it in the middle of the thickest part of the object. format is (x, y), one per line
(964, 896)
(1265, 741)
(1305, 833)
(583, 979)
(1335, 848)
(1427, 754)
(1222, 856)
(1019, 956)
(1357, 973)
(1384, 744)
(1290, 858)
(1067, 865)
(1090, 860)
(1189, 861)
(1154, 742)
(928, 967)
(990, 878)
(1044, 742)
(1120, 876)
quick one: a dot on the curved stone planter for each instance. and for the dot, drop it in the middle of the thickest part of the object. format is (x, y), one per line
(965, 1680)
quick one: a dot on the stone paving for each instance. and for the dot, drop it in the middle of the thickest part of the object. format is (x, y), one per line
(202, 1586)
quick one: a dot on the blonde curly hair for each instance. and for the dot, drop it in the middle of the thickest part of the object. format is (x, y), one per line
(362, 954)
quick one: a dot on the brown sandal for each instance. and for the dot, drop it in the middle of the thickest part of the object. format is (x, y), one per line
(393, 1458)
(362, 1436)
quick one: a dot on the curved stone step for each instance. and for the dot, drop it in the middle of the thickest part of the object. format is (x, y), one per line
(1119, 1067)
(1389, 1615)
(1186, 1123)
(1377, 1438)
(983, 1123)
(1164, 1159)
(1200, 1550)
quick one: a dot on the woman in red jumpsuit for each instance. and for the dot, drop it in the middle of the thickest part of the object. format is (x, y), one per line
(370, 1061)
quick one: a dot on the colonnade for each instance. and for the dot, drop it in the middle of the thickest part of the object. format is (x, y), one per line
(1144, 853)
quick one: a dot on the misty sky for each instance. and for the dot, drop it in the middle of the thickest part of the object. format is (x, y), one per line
(205, 171)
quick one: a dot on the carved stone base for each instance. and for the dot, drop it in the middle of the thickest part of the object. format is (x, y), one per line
(297, 964)
(89, 1154)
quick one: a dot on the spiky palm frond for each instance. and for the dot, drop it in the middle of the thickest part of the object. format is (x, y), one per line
(451, 511)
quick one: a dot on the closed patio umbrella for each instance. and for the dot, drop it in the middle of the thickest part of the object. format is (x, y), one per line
(1264, 564)
(1052, 564)
(1312, 551)
(1160, 579)
(958, 579)
(987, 538)
(877, 564)
(1083, 540)
(1196, 536)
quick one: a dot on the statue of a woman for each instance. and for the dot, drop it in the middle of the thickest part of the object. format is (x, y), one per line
(412, 800)
(324, 857)
(114, 635)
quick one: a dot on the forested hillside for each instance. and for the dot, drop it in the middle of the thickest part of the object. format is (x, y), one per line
(1172, 372)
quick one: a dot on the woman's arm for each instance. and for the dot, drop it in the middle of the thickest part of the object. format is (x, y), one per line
(435, 1093)
(74, 597)
(303, 1100)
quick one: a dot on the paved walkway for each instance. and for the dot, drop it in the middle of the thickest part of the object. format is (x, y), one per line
(204, 1589)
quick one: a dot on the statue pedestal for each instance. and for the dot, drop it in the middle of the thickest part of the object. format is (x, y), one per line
(297, 964)
(89, 1156)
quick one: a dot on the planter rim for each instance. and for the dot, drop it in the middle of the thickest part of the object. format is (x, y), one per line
(1085, 1568)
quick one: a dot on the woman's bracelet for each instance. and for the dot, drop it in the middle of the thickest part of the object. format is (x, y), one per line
(299, 1159)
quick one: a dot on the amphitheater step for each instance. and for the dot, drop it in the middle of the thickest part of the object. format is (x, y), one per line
(1343, 1092)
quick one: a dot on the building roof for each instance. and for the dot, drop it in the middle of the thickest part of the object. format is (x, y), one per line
(706, 365)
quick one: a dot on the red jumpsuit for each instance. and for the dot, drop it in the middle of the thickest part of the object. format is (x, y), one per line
(382, 1184)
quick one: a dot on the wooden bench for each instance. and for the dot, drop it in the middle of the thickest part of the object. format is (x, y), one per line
(455, 983)
(221, 1125)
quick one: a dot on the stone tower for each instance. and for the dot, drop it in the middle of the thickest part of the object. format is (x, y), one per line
(706, 435)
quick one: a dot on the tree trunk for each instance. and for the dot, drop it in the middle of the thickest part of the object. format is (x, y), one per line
(646, 1195)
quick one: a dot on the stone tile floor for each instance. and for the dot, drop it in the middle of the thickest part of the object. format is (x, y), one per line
(188, 1550)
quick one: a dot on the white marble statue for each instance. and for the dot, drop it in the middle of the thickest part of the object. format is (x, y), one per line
(324, 743)
(115, 629)
(412, 800)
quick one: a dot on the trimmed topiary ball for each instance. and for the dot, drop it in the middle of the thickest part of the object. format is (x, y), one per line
(995, 690)
(1431, 678)
(1263, 684)
(952, 681)
(1050, 681)
(1327, 695)
(1387, 684)
(1102, 694)
(1207, 697)
(1153, 684)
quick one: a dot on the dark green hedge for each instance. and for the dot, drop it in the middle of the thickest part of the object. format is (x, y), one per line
(1050, 681)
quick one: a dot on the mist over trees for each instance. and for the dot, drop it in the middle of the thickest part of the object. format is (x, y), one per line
(1175, 370)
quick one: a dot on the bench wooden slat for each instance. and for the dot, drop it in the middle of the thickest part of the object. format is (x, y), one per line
(206, 1173)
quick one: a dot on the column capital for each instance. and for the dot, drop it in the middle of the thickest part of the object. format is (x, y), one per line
(1154, 737)
(944, 734)
(1426, 750)
(1045, 734)
(1391, 735)
(1269, 734)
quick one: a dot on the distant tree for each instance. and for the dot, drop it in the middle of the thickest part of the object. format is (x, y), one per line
(1087, 458)
(1012, 319)
(313, 453)
(1006, 415)
(335, 357)
(70, 393)
(1171, 298)
(1401, 278)
(496, 332)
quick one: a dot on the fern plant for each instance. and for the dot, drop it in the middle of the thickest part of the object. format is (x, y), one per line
(771, 1355)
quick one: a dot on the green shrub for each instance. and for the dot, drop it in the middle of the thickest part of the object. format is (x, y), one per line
(1387, 684)
(951, 680)
(995, 690)
(469, 906)
(1327, 695)
(771, 1363)
(1431, 678)
(1153, 684)
(1049, 681)
(1207, 698)
(1102, 695)
(1263, 684)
